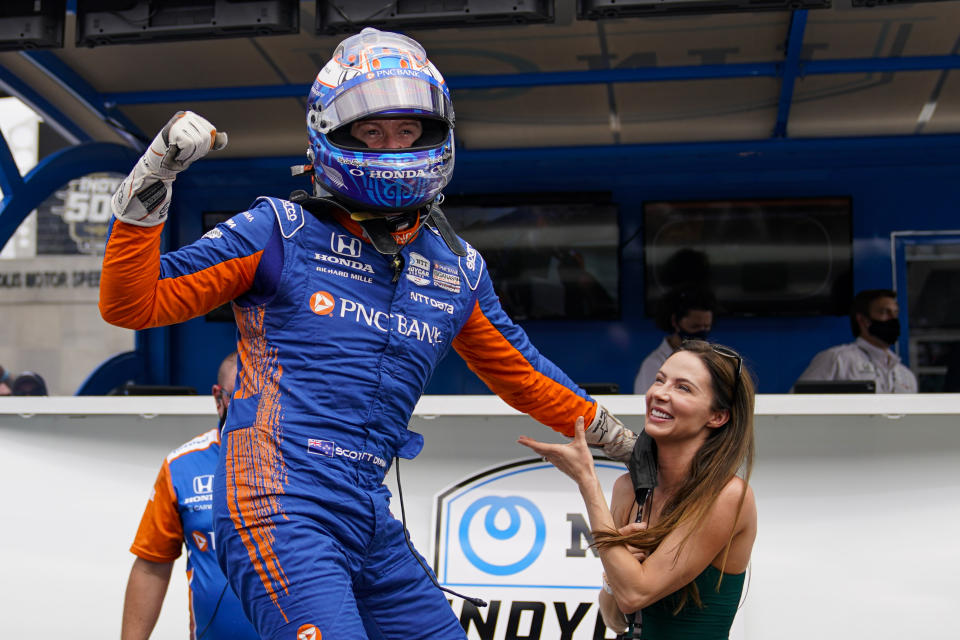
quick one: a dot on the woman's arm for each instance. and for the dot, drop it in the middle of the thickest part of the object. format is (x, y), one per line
(671, 566)
(613, 618)
(679, 559)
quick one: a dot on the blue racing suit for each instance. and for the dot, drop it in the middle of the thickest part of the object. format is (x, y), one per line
(336, 343)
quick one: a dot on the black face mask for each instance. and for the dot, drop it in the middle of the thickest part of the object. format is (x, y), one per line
(886, 330)
(698, 335)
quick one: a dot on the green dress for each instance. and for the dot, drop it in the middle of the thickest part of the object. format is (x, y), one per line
(712, 622)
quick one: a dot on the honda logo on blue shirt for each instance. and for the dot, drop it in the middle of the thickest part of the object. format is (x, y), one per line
(203, 484)
(345, 245)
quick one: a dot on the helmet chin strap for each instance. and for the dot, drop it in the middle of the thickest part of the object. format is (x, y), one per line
(380, 228)
(438, 220)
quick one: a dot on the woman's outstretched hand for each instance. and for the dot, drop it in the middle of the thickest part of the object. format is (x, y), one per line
(573, 458)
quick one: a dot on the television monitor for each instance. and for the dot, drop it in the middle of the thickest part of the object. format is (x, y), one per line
(550, 256)
(336, 16)
(605, 9)
(760, 257)
(835, 386)
(103, 22)
(31, 24)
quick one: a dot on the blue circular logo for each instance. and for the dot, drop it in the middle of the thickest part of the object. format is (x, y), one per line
(495, 505)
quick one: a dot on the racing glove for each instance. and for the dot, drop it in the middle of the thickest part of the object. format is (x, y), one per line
(143, 197)
(608, 432)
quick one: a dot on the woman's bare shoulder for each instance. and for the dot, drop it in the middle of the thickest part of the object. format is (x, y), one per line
(730, 496)
(622, 499)
(623, 488)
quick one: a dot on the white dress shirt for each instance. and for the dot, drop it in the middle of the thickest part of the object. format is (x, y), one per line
(860, 360)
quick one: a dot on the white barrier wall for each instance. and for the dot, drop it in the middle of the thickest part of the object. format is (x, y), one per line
(857, 496)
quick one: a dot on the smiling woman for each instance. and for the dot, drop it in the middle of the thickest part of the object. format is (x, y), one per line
(678, 552)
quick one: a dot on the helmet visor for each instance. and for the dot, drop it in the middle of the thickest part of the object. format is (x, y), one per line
(396, 94)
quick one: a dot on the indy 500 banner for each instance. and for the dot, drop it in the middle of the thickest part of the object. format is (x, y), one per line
(517, 536)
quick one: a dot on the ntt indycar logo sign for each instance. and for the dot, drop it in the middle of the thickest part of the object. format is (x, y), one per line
(517, 536)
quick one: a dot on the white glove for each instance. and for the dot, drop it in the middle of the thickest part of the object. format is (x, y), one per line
(143, 197)
(608, 432)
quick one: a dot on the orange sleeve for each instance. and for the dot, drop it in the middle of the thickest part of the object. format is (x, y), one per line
(523, 382)
(160, 534)
(133, 296)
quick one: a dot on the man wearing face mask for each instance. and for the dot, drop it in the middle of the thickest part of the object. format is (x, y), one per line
(876, 327)
(684, 313)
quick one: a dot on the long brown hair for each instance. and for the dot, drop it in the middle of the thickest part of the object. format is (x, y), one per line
(726, 450)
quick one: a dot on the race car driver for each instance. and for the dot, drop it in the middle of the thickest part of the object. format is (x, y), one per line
(345, 300)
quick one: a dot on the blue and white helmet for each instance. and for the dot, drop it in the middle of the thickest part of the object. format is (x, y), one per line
(379, 73)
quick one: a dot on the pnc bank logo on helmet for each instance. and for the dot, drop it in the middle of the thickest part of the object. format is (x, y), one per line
(322, 303)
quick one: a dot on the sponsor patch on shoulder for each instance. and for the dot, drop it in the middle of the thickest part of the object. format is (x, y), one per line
(418, 269)
(471, 266)
(445, 276)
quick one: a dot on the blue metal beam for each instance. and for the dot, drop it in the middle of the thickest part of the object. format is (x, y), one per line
(53, 172)
(491, 81)
(10, 178)
(690, 156)
(604, 76)
(258, 92)
(875, 65)
(791, 68)
(71, 81)
(50, 114)
(825, 153)
(557, 78)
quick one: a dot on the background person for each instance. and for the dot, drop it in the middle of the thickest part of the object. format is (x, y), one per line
(875, 323)
(697, 526)
(29, 383)
(684, 313)
(345, 301)
(5, 381)
(179, 514)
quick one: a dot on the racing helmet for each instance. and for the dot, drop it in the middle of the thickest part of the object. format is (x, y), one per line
(379, 74)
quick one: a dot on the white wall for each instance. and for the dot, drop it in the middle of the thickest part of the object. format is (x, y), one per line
(857, 496)
(55, 331)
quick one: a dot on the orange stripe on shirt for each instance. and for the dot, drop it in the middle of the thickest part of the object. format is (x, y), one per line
(508, 374)
(160, 534)
(133, 296)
